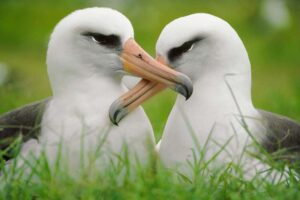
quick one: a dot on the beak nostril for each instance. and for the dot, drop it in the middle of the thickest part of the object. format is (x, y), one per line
(139, 56)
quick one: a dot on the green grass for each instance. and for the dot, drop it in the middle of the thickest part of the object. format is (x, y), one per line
(25, 26)
(149, 181)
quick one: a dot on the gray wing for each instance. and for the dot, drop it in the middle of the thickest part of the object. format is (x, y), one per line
(283, 136)
(24, 121)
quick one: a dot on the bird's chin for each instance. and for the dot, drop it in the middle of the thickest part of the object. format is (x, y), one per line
(120, 73)
(174, 67)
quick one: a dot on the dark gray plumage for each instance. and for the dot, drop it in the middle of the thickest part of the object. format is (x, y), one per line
(283, 136)
(24, 121)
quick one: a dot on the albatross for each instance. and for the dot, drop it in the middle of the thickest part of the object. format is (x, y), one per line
(220, 115)
(88, 52)
(219, 118)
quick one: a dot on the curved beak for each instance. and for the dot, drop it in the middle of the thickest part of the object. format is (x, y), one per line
(140, 93)
(145, 89)
(138, 62)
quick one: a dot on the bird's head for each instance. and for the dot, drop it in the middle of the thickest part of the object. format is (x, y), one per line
(201, 45)
(100, 42)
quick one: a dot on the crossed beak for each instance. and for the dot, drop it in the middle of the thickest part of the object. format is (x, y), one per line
(156, 77)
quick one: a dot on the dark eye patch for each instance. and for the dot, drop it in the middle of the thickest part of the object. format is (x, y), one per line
(110, 41)
(176, 52)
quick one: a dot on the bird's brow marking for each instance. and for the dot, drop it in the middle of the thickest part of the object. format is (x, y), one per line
(106, 40)
(176, 52)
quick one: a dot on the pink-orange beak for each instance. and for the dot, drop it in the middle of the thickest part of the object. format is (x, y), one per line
(138, 62)
(156, 77)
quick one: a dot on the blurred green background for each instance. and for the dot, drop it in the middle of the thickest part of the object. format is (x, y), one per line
(270, 30)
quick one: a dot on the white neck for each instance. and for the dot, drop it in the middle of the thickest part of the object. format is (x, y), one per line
(91, 95)
(84, 105)
(220, 94)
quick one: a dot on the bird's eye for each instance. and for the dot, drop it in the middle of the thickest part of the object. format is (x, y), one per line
(176, 52)
(110, 41)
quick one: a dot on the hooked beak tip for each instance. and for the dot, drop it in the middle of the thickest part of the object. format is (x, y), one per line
(185, 87)
(117, 112)
(114, 121)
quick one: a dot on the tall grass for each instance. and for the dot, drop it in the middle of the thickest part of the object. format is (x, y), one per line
(36, 178)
